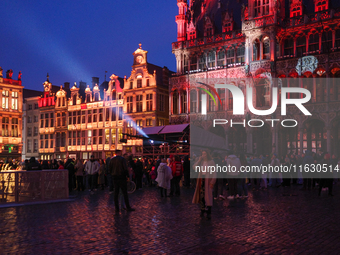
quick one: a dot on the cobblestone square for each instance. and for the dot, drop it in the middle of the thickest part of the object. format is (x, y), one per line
(277, 221)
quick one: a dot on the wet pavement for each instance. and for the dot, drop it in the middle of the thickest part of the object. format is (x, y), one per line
(277, 221)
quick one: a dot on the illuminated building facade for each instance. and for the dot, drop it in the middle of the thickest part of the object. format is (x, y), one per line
(146, 96)
(11, 98)
(31, 124)
(46, 104)
(82, 121)
(261, 40)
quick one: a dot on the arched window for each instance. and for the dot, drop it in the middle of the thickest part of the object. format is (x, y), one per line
(64, 101)
(193, 101)
(139, 83)
(211, 59)
(266, 49)
(313, 42)
(202, 64)
(240, 54)
(261, 7)
(193, 63)
(296, 11)
(113, 95)
(185, 66)
(320, 6)
(88, 98)
(220, 58)
(288, 46)
(256, 50)
(301, 46)
(262, 93)
(230, 56)
(327, 41)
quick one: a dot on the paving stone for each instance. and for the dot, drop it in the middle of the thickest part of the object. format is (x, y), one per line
(265, 223)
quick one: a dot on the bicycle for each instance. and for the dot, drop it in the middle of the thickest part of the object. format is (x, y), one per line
(131, 187)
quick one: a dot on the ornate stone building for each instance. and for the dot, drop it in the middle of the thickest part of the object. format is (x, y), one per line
(82, 121)
(259, 40)
(11, 98)
(146, 96)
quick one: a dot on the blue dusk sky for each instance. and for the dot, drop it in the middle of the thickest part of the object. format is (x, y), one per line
(78, 39)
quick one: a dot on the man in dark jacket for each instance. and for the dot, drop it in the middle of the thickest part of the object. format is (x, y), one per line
(108, 174)
(120, 175)
(33, 165)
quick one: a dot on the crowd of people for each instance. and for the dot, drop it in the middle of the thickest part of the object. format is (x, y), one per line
(167, 173)
(209, 188)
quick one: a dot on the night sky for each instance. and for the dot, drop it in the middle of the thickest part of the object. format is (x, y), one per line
(75, 40)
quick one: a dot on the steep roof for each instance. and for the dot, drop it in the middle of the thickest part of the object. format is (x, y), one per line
(31, 93)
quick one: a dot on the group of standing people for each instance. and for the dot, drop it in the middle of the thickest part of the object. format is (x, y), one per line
(210, 188)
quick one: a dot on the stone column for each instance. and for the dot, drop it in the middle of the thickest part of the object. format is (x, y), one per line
(134, 108)
(188, 100)
(154, 100)
(261, 51)
(216, 58)
(144, 102)
(171, 103)
(272, 48)
(179, 102)
(226, 95)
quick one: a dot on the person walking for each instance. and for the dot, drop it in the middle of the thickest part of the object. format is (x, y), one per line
(108, 175)
(219, 185)
(204, 185)
(120, 174)
(79, 168)
(177, 172)
(92, 168)
(164, 176)
(101, 174)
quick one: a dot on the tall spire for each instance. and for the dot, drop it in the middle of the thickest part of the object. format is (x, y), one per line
(48, 77)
